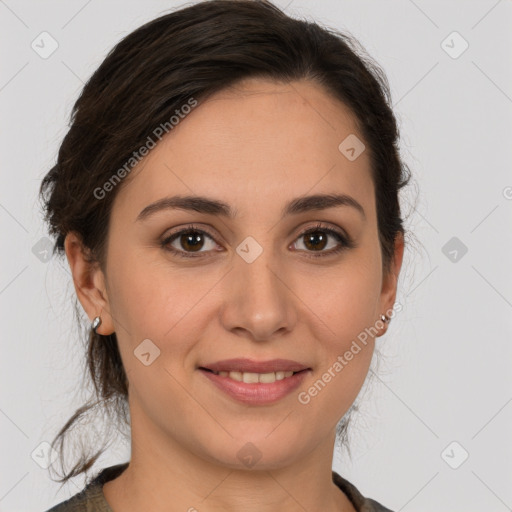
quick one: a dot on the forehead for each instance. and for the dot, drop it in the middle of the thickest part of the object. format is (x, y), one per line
(252, 143)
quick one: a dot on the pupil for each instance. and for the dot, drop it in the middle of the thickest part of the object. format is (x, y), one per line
(315, 240)
(192, 241)
(315, 237)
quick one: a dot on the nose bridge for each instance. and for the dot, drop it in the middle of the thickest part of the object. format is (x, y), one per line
(258, 300)
(260, 279)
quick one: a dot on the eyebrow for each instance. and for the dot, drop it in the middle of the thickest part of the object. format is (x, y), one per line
(211, 206)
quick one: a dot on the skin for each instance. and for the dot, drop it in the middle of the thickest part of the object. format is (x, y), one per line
(254, 146)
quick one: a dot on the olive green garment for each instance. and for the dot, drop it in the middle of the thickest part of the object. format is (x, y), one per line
(91, 498)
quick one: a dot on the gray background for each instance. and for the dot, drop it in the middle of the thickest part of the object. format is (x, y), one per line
(446, 369)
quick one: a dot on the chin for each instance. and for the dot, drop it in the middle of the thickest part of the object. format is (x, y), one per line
(255, 452)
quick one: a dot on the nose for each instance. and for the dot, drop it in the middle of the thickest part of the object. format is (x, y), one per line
(259, 302)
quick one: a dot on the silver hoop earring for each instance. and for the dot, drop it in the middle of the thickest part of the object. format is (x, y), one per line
(95, 324)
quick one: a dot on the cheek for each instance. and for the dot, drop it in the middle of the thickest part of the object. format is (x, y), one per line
(153, 299)
(147, 297)
(344, 299)
(347, 344)
(344, 308)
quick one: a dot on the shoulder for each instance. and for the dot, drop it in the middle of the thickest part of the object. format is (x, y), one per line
(84, 501)
(77, 503)
(91, 498)
(361, 504)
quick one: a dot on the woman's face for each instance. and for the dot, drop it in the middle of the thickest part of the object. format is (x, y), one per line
(253, 287)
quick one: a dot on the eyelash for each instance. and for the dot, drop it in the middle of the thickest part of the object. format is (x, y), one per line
(345, 241)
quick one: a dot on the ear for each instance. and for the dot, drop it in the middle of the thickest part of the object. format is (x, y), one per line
(89, 283)
(390, 280)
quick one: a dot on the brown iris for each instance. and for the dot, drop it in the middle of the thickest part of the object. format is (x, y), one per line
(315, 238)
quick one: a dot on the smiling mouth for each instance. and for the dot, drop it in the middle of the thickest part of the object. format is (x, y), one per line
(254, 378)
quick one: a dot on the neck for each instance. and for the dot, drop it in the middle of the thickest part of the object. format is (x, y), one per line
(163, 474)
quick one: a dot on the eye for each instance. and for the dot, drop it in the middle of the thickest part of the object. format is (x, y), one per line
(189, 242)
(316, 240)
(186, 242)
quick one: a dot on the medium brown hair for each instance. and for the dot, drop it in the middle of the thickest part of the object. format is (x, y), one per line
(195, 52)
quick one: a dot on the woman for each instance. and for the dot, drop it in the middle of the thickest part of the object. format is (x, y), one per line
(227, 200)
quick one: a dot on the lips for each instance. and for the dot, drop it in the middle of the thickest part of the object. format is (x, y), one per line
(250, 366)
(262, 387)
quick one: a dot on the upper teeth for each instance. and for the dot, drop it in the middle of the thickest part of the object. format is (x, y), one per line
(248, 377)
